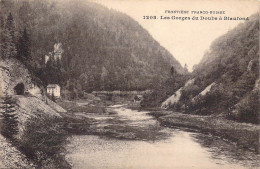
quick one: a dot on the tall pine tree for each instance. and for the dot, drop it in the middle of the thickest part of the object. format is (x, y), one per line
(23, 48)
(8, 39)
(9, 126)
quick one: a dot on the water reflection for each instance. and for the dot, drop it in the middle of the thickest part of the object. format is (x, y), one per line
(226, 150)
(132, 139)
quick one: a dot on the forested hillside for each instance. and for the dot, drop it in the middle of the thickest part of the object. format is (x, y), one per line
(227, 78)
(102, 49)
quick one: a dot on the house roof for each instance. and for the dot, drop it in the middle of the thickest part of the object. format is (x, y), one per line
(53, 85)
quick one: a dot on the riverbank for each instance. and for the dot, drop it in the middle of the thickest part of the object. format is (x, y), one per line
(243, 134)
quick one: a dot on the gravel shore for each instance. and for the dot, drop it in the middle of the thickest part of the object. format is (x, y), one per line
(243, 134)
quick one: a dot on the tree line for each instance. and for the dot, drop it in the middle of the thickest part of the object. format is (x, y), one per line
(14, 44)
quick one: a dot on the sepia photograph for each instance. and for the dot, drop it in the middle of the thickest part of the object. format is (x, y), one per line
(129, 84)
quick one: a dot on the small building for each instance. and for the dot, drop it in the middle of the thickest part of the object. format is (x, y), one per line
(53, 89)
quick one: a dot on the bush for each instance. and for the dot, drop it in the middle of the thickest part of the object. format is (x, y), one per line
(249, 110)
(43, 142)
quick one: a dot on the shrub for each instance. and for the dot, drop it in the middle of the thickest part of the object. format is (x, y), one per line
(249, 110)
(43, 142)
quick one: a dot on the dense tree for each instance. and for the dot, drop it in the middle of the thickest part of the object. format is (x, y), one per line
(23, 48)
(8, 39)
(248, 109)
(10, 26)
(9, 126)
(45, 146)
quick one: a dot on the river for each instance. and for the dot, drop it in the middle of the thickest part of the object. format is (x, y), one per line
(131, 139)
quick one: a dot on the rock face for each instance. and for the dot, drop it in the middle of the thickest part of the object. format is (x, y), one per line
(56, 54)
(32, 99)
(251, 65)
(176, 96)
(204, 92)
(13, 73)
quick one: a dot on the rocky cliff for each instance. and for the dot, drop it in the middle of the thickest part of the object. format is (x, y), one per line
(31, 98)
(13, 73)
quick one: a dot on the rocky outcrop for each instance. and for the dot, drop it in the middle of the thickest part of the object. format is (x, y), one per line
(176, 96)
(13, 73)
(251, 65)
(204, 92)
(56, 54)
(33, 100)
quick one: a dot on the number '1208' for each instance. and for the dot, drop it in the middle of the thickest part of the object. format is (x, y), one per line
(149, 17)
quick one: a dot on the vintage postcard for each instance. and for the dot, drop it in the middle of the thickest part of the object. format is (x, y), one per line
(129, 84)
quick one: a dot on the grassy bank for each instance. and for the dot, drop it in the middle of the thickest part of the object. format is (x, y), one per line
(244, 135)
(43, 142)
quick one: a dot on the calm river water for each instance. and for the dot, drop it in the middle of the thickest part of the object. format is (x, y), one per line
(131, 139)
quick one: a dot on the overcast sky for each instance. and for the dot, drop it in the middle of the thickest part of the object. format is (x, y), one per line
(188, 40)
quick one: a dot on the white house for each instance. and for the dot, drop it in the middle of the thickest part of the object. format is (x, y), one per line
(53, 89)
